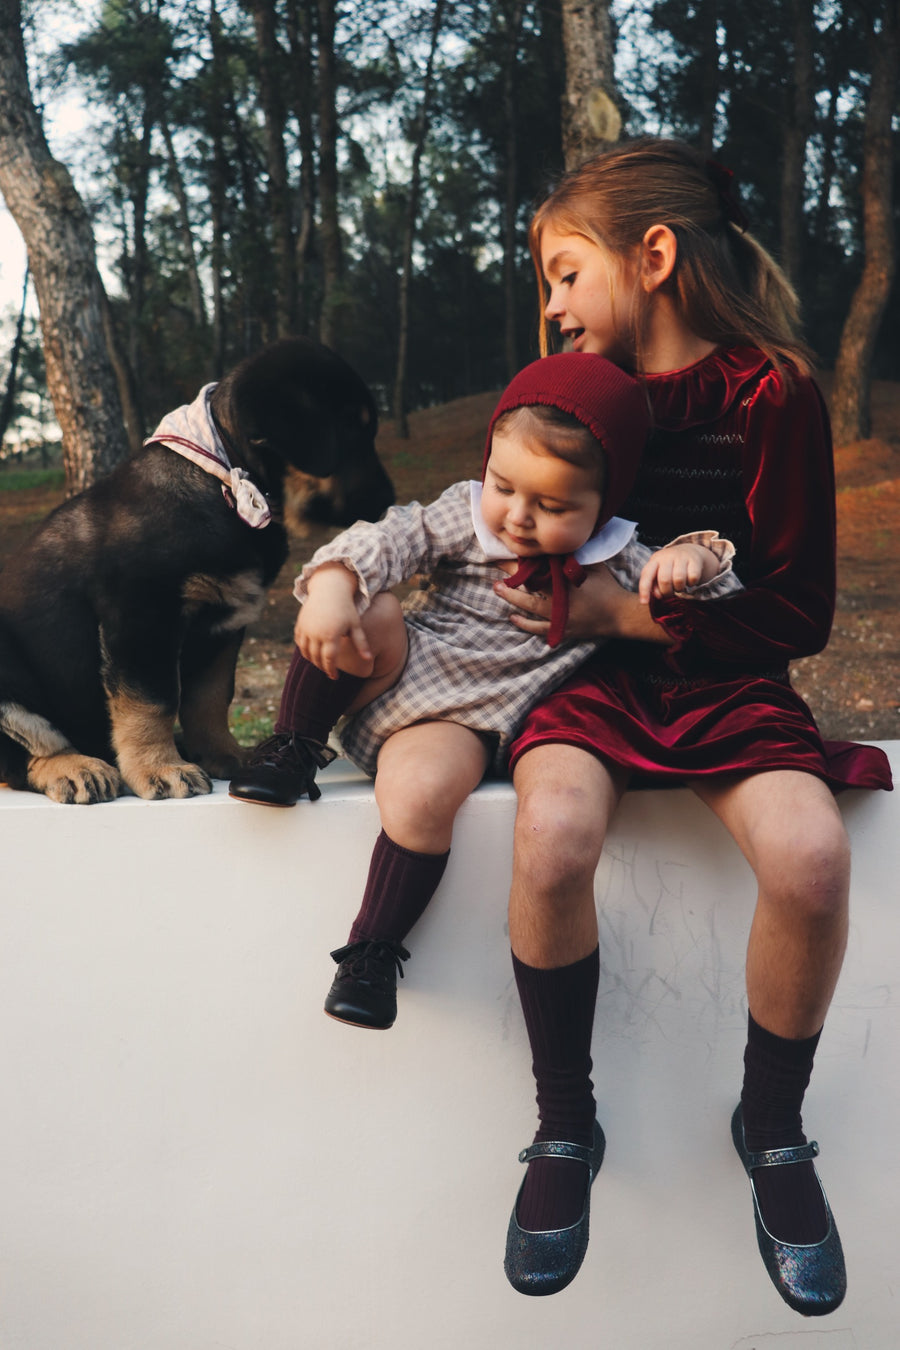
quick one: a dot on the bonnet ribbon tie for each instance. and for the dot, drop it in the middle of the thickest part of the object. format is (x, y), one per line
(557, 571)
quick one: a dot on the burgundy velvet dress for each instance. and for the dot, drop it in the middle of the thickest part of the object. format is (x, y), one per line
(734, 450)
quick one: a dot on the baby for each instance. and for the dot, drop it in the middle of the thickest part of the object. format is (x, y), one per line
(434, 692)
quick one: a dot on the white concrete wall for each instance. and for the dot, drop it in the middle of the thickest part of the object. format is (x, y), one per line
(192, 1157)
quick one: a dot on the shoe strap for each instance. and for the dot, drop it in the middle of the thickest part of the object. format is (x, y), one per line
(556, 1148)
(778, 1157)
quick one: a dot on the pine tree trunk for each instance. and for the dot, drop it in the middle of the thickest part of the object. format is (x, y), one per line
(276, 166)
(512, 10)
(850, 400)
(330, 233)
(710, 78)
(9, 394)
(55, 226)
(217, 192)
(798, 125)
(401, 426)
(299, 23)
(590, 118)
(195, 290)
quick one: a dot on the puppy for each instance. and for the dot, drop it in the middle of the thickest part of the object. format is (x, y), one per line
(126, 610)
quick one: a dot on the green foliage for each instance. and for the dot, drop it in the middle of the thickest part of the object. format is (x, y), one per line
(25, 480)
(246, 727)
(176, 165)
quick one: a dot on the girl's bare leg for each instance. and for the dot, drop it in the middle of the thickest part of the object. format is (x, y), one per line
(425, 773)
(789, 829)
(566, 798)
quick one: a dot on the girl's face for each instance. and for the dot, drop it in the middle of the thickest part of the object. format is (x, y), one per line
(535, 502)
(590, 294)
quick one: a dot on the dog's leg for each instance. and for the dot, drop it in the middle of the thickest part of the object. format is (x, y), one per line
(144, 742)
(207, 688)
(53, 766)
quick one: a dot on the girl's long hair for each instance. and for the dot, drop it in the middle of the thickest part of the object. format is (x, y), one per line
(728, 289)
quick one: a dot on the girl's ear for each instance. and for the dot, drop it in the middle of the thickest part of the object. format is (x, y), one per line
(659, 249)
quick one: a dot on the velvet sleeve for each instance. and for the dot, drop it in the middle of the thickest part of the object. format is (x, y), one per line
(786, 607)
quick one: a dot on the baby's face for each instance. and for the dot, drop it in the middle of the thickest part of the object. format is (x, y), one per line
(535, 502)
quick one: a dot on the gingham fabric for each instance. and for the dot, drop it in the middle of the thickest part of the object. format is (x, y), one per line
(467, 662)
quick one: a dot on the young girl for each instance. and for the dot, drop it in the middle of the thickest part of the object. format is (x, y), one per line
(436, 695)
(642, 255)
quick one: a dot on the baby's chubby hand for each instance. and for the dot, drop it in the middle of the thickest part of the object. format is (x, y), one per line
(328, 626)
(675, 569)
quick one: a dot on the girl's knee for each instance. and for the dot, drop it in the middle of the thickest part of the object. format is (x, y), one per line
(558, 836)
(809, 869)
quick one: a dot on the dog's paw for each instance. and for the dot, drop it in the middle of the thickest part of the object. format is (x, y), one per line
(74, 780)
(220, 760)
(169, 780)
(225, 764)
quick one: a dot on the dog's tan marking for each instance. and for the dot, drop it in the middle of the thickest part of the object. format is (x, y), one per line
(204, 716)
(55, 767)
(143, 737)
(299, 489)
(35, 733)
(74, 779)
(243, 595)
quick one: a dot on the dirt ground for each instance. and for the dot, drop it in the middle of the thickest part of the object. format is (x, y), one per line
(853, 687)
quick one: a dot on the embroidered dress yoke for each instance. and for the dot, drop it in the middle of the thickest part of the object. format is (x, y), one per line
(735, 449)
(467, 662)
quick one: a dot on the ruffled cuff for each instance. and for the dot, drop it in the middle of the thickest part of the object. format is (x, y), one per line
(725, 582)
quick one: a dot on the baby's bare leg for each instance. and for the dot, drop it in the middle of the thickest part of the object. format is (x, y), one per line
(386, 635)
(425, 773)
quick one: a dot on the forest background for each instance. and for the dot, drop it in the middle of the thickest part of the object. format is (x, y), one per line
(364, 174)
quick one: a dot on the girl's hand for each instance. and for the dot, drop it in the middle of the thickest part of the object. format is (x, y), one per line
(672, 570)
(328, 622)
(599, 608)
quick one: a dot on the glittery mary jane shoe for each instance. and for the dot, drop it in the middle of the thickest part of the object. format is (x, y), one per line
(811, 1278)
(364, 990)
(544, 1263)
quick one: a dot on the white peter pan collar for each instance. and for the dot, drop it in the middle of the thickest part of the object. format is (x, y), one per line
(606, 543)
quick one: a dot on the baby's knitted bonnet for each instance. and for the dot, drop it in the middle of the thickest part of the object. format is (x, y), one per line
(611, 404)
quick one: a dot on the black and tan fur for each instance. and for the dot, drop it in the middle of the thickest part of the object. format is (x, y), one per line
(125, 612)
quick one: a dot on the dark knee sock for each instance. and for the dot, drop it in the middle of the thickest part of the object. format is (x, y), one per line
(558, 1006)
(398, 888)
(776, 1075)
(311, 703)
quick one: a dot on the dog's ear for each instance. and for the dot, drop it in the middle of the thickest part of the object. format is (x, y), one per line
(301, 402)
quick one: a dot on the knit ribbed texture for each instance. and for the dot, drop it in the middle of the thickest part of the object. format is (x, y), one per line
(558, 1007)
(610, 403)
(398, 888)
(776, 1076)
(311, 703)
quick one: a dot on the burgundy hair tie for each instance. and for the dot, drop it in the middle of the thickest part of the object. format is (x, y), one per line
(723, 181)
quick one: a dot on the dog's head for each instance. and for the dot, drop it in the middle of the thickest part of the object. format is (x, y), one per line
(296, 403)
